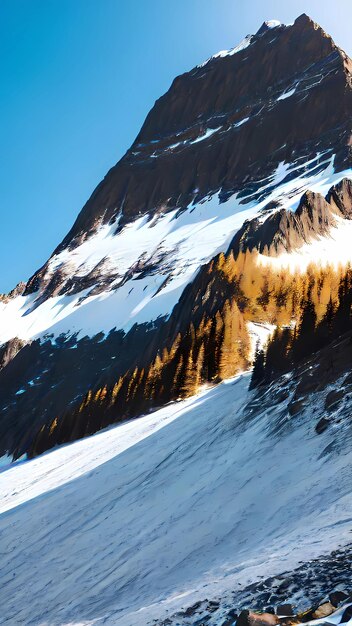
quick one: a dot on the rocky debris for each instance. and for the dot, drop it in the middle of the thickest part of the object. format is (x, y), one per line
(192, 609)
(318, 587)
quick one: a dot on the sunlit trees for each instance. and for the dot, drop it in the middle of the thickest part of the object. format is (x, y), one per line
(308, 307)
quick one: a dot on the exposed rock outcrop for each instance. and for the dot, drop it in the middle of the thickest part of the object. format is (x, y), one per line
(9, 350)
(285, 230)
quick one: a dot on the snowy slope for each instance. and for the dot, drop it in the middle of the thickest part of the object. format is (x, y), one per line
(143, 519)
(152, 260)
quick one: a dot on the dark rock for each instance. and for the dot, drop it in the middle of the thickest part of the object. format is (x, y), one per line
(242, 619)
(295, 407)
(347, 614)
(270, 609)
(322, 425)
(192, 609)
(264, 597)
(338, 597)
(233, 614)
(284, 585)
(284, 609)
(333, 399)
(212, 606)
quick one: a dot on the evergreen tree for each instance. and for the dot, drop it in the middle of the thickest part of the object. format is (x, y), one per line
(258, 373)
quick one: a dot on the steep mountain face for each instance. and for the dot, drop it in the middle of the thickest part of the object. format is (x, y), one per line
(249, 151)
(284, 96)
(270, 101)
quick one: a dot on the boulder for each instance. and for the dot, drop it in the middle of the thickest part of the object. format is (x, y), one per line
(324, 610)
(338, 597)
(284, 610)
(333, 399)
(246, 618)
(322, 425)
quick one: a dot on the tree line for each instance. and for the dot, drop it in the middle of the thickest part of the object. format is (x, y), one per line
(307, 307)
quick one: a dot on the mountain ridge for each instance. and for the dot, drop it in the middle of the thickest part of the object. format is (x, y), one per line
(111, 195)
(149, 271)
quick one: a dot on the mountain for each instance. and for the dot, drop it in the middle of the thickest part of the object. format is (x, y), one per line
(205, 290)
(247, 154)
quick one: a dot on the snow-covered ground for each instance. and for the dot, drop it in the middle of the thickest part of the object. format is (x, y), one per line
(170, 248)
(183, 504)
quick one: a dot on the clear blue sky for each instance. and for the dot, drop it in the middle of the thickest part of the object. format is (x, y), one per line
(77, 80)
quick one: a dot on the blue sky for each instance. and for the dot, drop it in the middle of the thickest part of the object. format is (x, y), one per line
(77, 80)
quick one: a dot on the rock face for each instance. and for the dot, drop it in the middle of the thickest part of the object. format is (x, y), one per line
(227, 124)
(285, 230)
(9, 350)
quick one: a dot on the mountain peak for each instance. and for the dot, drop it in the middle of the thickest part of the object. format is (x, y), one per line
(269, 25)
(304, 19)
(305, 22)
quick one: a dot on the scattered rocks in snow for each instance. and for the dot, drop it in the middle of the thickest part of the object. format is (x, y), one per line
(316, 588)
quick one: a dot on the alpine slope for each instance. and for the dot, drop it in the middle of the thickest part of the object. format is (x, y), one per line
(188, 504)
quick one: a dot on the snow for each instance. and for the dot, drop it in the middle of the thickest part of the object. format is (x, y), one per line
(259, 334)
(225, 53)
(273, 23)
(209, 132)
(170, 246)
(241, 122)
(182, 504)
(270, 24)
(287, 94)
